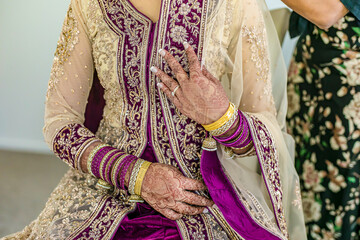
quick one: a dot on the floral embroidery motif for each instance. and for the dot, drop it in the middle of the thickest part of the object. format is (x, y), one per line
(183, 22)
(297, 202)
(67, 41)
(195, 227)
(69, 142)
(133, 31)
(103, 224)
(256, 36)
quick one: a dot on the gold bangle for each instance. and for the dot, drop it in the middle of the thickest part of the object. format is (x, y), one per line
(221, 121)
(140, 177)
(133, 176)
(227, 125)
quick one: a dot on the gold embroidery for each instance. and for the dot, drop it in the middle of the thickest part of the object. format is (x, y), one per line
(297, 202)
(256, 37)
(269, 160)
(216, 44)
(132, 29)
(67, 41)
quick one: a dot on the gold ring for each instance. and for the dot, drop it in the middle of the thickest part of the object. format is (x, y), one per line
(173, 92)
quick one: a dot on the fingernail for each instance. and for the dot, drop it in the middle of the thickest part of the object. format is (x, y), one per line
(206, 211)
(162, 52)
(153, 69)
(213, 205)
(160, 85)
(186, 45)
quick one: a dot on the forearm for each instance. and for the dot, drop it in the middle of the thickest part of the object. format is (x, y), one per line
(323, 13)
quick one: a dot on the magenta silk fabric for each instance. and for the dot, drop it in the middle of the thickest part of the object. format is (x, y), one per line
(225, 197)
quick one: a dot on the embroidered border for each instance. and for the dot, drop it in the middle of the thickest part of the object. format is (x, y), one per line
(134, 30)
(69, 142)
(269, 163)
(103, 222)
(180, 21)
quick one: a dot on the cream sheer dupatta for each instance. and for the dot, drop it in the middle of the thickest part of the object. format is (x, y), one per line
(243, 51)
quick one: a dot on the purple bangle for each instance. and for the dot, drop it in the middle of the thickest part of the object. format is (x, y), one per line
(120, 170)
(239, 141)
(128, 162)
(231, 137)
(111, 165)
(107, 165)
(116, 177)
(99, 155)
(239, 131)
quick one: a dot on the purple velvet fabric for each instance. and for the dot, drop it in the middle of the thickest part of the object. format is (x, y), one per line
(225, 197)
(146, 223)
(95, 106)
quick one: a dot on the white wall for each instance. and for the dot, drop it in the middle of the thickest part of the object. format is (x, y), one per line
(29, 30)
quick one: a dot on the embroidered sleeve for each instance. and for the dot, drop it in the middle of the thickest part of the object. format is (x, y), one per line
(68, 90)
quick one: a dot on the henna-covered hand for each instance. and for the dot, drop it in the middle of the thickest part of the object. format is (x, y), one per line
(167, 190)
(200, 96)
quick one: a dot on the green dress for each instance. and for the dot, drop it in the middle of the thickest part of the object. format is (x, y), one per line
(324, 118)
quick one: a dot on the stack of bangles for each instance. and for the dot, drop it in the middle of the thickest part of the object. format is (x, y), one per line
(240, 139)
(110, 166)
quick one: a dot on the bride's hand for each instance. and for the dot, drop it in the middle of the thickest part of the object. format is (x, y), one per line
(199, 95)
(166, 189)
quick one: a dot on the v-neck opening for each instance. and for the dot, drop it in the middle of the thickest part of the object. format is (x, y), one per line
(142, 14)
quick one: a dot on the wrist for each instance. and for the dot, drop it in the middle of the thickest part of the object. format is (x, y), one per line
(224, 122)
(137, 176)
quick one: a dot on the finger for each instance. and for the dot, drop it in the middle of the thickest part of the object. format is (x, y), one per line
(192, 184)
(175, 66)
(195, 199)
(186, 209)
(171, 214)
(169, 82)
(194, 63)
(167, 91)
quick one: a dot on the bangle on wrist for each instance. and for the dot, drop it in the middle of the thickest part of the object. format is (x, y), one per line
(140, 177)
(221, 121)
(134, 173)
(91, 157)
